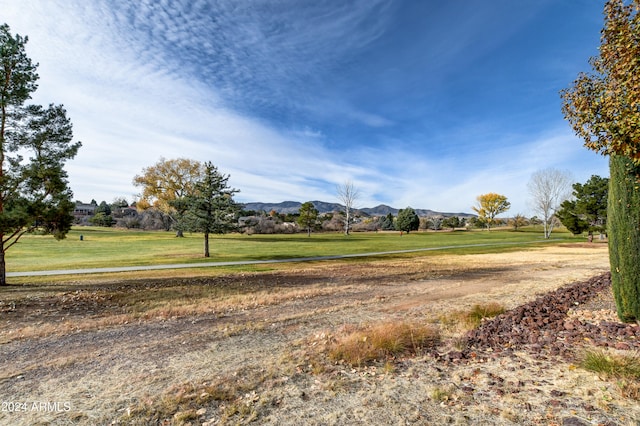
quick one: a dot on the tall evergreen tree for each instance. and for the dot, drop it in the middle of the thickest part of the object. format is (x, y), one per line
(387, 222)
(591, 201)
(588, 209)
(570, 218)
(35, 143)
(211, 208)
(603, 109)
(624, 236)
(308, 217)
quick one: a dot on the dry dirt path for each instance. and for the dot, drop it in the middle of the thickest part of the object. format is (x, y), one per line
(98, 373)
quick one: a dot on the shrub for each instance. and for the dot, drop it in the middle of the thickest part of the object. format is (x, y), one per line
(624, 236)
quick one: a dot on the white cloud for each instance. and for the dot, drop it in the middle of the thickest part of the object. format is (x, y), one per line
(152, 78)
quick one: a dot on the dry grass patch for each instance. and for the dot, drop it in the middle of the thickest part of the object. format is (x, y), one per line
(229, 400)
(625, 369)
(86, 310)
(363, 345)
(472, 318)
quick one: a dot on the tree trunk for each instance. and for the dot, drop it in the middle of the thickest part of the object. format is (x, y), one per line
(3, 267)
(546, 229)
(206, 244)
(347, 222)
(623, 221)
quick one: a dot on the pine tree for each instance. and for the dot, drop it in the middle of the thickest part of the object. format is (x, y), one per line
(35, 142)
(308, 217)
(408, 220)
(211, 208)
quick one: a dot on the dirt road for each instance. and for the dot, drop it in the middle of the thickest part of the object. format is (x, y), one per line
(83, 356)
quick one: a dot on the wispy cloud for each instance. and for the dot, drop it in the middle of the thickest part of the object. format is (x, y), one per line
(292, 98)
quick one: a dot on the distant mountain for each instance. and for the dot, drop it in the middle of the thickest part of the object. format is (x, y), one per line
(381, 210)
(324, 207)
(283, 207)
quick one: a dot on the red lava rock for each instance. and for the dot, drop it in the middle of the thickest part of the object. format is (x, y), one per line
(623, 346)
(542, 328)
(467, 389)
(573, 421)
(555, 403)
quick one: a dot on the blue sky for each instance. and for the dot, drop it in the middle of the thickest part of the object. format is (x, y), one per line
(419, 103)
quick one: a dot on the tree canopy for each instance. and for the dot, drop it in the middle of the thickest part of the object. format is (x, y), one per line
(308, 217)
(167, 185)
(548, 188)
(588, 209)
(211, 208)
(571, 219)
(603, 108)
(407, 220)
(489, 206)
(35, 144)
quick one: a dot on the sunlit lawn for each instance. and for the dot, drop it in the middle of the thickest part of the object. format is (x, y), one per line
(104, 247)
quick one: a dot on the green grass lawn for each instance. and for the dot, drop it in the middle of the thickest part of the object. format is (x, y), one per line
(104, 247)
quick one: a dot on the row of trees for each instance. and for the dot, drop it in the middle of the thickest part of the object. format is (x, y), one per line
(406, 221)
(551, 196)
(168, 186)
(119, 213)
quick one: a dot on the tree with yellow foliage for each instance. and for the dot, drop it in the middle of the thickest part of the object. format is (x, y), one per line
(489, 206)
(167, 185)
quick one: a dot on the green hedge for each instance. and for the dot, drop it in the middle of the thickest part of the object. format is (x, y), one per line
(624, 236)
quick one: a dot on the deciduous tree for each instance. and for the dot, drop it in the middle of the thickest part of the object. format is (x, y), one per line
(348, 194)
(166, 186)
(518, 221)
(35, 143)
(548, 188)
(603, 108)
(489, 206)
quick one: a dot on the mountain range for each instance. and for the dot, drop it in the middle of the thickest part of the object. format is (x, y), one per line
(286, 207)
